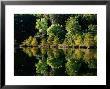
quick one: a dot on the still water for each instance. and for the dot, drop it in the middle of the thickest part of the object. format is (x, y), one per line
(33, 61)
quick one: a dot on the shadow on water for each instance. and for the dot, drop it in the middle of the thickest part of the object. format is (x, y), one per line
(55, 62)
(23, 65)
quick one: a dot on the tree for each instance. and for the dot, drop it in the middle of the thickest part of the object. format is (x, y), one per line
(56, 40)
(91, 18)
(73, 26)
(58, 18)
(28, 41)
(69, 38)
(85, 20)
(50, 40)
(88, 39)
(31, 41)
(78, 40)
(55, 30)
(92, 29)
(42, 25)
(34, 42)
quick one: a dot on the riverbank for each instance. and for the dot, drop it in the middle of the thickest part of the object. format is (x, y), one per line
(60, 46)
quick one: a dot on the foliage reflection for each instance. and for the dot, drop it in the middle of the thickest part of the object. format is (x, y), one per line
(60, 62)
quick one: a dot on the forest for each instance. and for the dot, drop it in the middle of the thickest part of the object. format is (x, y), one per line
(62, 44)
(54, 30)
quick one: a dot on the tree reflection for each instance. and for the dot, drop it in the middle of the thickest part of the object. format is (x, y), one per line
(41, 67)
(30, 51)
(54, 58)
(69, 62)
(89, 54)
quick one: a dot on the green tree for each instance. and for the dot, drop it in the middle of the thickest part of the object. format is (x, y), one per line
(34, 42)
(73, 26)
(92, 29)
(69, 38)
(50, 40)
(31, 41)
(78, 40)
(58, 19)
(85, 20)
(55, 30)
(91, 18)
(56, 40)
(88, 39)
(42, 25)
(28, 41)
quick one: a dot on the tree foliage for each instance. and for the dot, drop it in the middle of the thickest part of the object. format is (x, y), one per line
(88, 39)
(73, 26)
(31, 41)
(70, 29)
(55, 30)
(42, 25)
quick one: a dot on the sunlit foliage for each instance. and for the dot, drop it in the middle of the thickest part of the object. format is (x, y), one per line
(31, 41)
(73, 26)
(42, 25)
(78, 40)
(88, 39)
(55, 30)
(76, 29)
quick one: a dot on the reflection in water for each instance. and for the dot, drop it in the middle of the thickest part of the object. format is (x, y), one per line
(63, 62)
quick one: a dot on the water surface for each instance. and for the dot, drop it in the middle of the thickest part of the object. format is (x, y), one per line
(33, 61)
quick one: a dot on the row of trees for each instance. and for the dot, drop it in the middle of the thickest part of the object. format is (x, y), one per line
(71, 29)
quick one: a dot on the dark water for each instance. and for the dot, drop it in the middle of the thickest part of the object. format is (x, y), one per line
(55, 62)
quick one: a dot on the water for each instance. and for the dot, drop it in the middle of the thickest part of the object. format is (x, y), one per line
(55, 62)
